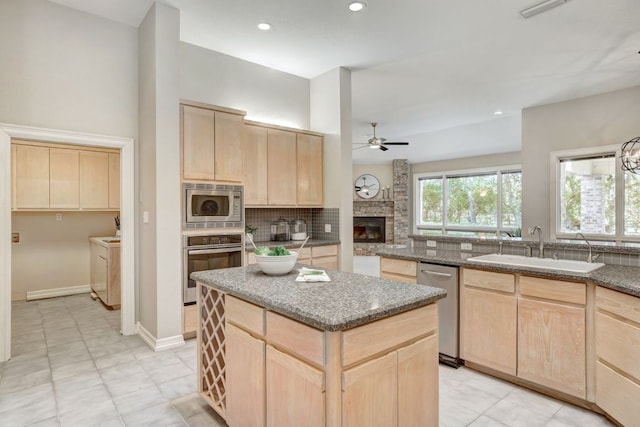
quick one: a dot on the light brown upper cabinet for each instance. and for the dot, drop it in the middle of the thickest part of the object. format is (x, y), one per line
(94, 180)
(64, 184)
(57, 176)
(255, 166)
(309, 156)
(281, 169)
(211, 143)
(114, 181)
(31, 177)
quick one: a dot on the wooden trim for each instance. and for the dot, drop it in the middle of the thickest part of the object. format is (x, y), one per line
(333, 378)
(590, 342)
(285, 128)
(212, 107)
(535, 387)
(63, 146)
(555, 290)
(371, 340)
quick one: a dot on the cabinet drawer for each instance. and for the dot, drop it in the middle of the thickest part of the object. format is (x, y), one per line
(398, 266)
(571, 292)
(318, 251)
(373, 338)
(245, 315)
(617, 395)
(623, 305)
(189, 319)
(503, 282)
(300, 340)
(304, 255)
(399, 278)
(618, 343)
(100, 251)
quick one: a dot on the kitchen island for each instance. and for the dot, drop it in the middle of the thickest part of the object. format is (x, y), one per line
(353, 351)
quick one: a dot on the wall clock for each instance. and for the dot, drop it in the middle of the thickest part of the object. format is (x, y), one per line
(367, 186)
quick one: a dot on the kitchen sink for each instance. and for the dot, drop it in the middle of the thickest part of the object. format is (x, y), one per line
(544, 263)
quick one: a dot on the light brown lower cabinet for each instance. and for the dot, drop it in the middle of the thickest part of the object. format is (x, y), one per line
(535, 331)
(245, 363)
(489, 318)
(295, 391)
(105, 271)
(318, 256)
(280, 372)
(399, 269)
(617, 342)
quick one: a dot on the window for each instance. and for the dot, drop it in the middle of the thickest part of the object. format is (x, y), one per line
(469, 202)
(594, 196)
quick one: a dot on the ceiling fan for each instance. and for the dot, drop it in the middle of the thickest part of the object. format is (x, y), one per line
(376, 142)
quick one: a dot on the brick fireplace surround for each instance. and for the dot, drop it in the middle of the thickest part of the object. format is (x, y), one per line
(396, 211)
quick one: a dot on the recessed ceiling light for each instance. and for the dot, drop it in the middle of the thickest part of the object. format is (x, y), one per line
(357, 6)
(264, 26)
(497, 113)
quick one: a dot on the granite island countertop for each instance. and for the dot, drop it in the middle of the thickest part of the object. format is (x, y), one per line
(616, 277)
(347, 301)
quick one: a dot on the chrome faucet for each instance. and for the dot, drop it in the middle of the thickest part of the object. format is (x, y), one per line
(532, 231)
(590, 257)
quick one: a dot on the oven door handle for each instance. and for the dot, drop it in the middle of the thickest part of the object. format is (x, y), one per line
(212, 251)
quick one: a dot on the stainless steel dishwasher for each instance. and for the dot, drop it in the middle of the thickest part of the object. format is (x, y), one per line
(445, 277)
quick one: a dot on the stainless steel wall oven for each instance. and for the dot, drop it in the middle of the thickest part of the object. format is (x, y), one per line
(208, 252)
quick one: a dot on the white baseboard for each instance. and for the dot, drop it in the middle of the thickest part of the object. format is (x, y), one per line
(159, 344)
(58, 292)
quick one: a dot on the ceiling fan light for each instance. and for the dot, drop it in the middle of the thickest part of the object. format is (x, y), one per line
(374, 146)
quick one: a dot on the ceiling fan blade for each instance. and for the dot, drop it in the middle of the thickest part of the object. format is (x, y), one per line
(396, 143)
(383, 148)
(359, 148)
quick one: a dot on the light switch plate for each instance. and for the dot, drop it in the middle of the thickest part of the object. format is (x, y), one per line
(431, 243)
(145, 217)
(466, 246)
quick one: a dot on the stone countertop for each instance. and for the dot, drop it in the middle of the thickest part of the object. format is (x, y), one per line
(620, 278)
(347, 301)
(292, 244)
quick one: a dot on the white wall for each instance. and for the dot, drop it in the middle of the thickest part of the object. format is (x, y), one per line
(160, 296)
(54, 254)
(66, 69)
(605, 119)
(266, 95)
(331, 115)
(463, 163)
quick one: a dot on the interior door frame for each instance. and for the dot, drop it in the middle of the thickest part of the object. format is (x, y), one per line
(127, 214)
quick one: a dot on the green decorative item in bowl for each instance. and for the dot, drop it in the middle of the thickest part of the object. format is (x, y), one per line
(275, 262)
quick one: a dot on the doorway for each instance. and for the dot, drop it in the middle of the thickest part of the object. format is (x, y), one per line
(127, 225)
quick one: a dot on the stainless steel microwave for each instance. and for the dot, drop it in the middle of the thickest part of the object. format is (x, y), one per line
(212, 205)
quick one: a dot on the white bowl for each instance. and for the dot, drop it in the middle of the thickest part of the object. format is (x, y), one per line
(276, 265)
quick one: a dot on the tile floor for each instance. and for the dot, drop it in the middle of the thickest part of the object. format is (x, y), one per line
(71, 367)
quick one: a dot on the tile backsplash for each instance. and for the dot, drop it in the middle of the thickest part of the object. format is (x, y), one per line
(316, 218)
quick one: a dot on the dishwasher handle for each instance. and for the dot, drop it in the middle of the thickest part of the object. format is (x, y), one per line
(435, 273)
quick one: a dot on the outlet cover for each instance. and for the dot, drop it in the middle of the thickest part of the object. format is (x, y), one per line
(15, 237)
(58, 217)
(431, 243)
(466, 246)
(327, 228)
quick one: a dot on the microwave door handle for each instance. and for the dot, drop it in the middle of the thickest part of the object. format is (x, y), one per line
(211, 251)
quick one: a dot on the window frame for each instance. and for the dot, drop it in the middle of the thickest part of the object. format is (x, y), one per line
(444, 228)
(555, 219)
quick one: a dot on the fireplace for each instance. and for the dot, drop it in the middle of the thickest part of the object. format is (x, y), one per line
(369, 229)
